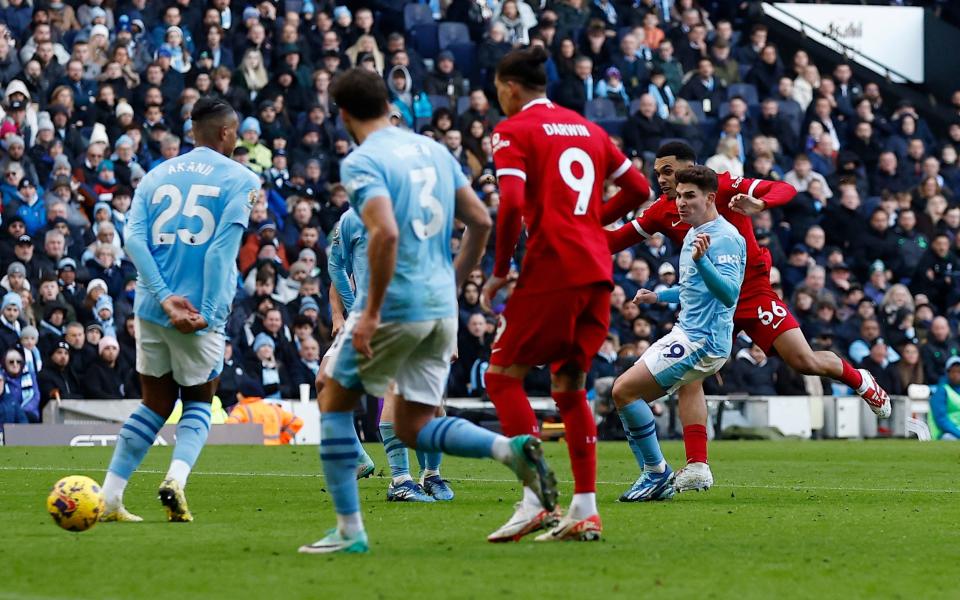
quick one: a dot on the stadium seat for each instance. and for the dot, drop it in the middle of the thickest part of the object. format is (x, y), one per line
(424, 39)
(439, 101)
(452, 33)
(599, 108)
(793, 115)
(613, 126)
(747, 91)
(696, 107)
(420, 122)
(463, 103)
(416, 14)
(634, 106)
(465, 59)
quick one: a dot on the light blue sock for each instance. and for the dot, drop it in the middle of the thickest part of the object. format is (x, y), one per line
(397, 456)
(641, 430)
(134, 440)
(455, 436)
(429, 461)
(339, 450)
(192, 431)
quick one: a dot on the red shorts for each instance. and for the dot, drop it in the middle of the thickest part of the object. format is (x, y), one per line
(556, 328)
(762, 315)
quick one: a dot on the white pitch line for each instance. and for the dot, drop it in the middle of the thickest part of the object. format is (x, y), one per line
(792, 488)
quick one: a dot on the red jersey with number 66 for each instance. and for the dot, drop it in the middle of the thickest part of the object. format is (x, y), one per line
(563, 160)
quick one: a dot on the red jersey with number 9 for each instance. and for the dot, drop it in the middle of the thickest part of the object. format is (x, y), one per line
(563, 160)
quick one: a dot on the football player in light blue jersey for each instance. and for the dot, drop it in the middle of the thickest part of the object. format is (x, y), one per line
(712, 264)
(401, 331)
(183, 234)
(348, 257)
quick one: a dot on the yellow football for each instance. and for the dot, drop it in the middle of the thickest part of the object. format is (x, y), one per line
(75, 503)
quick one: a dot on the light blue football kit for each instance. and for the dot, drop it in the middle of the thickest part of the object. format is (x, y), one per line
(183, 234)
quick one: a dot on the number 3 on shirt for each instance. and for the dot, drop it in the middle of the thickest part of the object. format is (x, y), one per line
(583, 185)
(191, 209)
(428, 177)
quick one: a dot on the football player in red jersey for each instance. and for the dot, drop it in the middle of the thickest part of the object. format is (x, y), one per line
(761, 314)
(551, 164)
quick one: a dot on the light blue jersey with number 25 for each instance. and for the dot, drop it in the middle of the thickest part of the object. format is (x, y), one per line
(183, 233)
(421, 178)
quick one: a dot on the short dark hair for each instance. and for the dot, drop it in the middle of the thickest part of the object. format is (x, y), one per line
(680, 150)
(209, 109)
(702, 177)
(526, 67)
(361, 93)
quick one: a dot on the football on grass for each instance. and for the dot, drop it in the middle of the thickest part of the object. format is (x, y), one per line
(75, 503)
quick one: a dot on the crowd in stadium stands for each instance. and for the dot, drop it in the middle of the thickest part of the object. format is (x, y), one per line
(98, 92)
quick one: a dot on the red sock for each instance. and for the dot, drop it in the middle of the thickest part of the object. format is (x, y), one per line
(513, 408)
(581, 437)
(695, 443)
(851, 376)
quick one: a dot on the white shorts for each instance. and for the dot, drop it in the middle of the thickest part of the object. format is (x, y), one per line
(674, 360)
(416, 356)
(193, 359)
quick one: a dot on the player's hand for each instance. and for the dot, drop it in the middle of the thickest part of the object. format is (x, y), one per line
(198, 322)
(363, 332)
(645, 296)
(182, 313)
(490, 289)
(700, 245)
(455, 355)
(337, 325)
(746, 204)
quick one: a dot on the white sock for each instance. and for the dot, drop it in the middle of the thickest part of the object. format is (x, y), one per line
(349, 525)
(530, 500)
(431, 473)
(501, 449)
(583, 506)
(113, 486)
(401, 478)
(656, 469)
(179, 471)
(863, 384)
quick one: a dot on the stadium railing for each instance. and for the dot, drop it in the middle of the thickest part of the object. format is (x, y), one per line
(807, 417)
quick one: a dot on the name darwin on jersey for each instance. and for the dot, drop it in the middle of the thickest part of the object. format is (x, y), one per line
(566, 129)
(191, 167)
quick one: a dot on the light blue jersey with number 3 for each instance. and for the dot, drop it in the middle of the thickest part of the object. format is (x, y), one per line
(183, 233)
(421, 178)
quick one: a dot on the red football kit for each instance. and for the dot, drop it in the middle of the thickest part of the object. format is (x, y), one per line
(552, 163)
(760, 312)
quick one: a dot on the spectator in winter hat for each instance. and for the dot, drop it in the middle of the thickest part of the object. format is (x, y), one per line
(29, 337)
(57, 379)
(104, 379)
(10, 324)
(260, 157)
(265, 367)
(103, 314)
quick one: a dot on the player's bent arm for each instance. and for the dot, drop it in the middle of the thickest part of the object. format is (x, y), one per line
(774, 193)
(725, 289)
(340, 280)
(669, 295)
(337, 307)
(634, 192)
(383, 238)
(221, 252)
(509, 221)
(474, 214)
(626, 236)
(139, 252)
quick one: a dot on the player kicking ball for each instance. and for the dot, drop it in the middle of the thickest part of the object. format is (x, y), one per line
(348, 261)
(183, 234)
(402, 329)
(761, 314)
(712, 263)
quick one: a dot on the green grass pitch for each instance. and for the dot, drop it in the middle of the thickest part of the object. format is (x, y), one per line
(786, 519)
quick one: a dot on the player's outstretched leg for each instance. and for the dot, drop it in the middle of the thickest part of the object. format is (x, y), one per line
(192, 432)
(339, 451)
(517, 418)
(796, 352)
(630, 393)
(365, 464)
(135, 438)
(430, 477)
